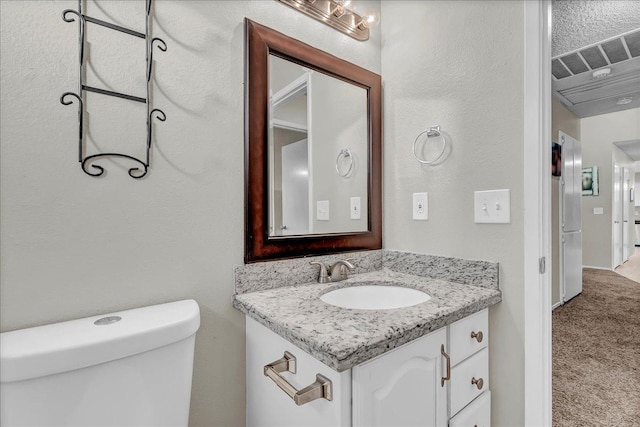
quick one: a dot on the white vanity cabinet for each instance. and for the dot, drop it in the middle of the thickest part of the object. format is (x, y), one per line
(403, 387)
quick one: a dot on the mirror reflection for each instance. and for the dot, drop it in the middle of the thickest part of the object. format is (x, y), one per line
(318, 152)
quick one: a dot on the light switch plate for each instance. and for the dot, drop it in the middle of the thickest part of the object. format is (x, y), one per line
(322, 210)
(355, 208)
(493, 206)
(421, 206)
(598, 211)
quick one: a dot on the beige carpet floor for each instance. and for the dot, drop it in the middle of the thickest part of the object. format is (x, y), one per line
(596, 354)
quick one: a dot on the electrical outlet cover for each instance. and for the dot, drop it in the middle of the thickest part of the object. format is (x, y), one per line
(355, 208)
(421, 206)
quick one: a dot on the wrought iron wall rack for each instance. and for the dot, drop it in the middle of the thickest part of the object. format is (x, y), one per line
(67, 98)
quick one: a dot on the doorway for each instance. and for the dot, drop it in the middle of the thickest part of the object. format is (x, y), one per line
(589, 83)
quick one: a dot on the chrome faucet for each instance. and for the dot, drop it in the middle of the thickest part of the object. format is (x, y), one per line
(340, 270)
(336, 273)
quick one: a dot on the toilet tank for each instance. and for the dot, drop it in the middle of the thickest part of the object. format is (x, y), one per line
(130, 368)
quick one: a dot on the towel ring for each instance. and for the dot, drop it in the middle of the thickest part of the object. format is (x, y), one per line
(432, 131)
(344, 154)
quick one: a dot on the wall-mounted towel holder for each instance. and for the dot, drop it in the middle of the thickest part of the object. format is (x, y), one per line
(344, 163)
(67, 98)
(430, 132)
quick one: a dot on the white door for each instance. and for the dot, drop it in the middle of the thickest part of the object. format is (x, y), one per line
(403, 387)
(625, 215)
(295, 188)
(617, 215)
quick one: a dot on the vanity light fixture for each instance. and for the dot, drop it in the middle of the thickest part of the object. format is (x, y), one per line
(338, 14)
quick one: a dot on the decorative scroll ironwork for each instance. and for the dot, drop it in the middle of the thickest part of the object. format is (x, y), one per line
(87, 163)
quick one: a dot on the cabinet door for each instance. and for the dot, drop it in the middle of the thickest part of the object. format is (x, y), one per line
(402, 387)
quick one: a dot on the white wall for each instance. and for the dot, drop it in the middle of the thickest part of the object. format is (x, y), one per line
(73, 245)
(460, 65)
(598, 134)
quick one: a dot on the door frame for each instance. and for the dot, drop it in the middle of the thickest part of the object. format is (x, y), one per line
(626, 199)
(537, 212)
(617, 215)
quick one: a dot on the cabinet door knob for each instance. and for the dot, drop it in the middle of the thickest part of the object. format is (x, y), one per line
(477, 382)
(477, 335)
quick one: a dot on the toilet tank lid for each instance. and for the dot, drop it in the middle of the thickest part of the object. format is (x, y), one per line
(60, 347)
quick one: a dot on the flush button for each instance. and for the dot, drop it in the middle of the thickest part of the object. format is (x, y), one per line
(107, 320)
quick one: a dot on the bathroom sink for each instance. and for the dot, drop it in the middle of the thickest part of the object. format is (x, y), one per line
(375, 297)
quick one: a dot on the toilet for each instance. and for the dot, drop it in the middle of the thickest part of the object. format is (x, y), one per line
(130, 368)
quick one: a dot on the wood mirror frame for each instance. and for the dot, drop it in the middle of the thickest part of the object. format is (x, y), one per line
(261, 41)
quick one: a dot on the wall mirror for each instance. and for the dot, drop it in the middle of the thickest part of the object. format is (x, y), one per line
(312, 150)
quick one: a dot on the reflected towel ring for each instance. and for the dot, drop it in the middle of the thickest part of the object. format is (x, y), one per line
(343, 155)
(432, 131)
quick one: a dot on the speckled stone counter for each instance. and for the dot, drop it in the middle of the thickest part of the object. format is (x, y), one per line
(343, 338)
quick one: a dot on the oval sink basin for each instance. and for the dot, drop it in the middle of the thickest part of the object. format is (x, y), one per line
(375, 297)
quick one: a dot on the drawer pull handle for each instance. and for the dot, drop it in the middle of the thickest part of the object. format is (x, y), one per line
(446, 356)
(477, 335)
(321, 388)
(477, 382)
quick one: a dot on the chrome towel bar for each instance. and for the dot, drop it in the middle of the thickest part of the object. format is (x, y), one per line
(321, 388)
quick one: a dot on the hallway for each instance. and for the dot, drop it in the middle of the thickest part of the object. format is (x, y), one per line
(631, 268)
(596, 353)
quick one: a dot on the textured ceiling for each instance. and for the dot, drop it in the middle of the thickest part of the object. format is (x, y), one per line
(578, 23)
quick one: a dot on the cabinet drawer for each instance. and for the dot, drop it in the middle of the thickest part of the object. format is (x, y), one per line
(468, 335)
(477, 414)
(466, 378)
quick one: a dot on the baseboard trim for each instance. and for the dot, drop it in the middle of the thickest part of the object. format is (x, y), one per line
(556, 305)
(597, 268)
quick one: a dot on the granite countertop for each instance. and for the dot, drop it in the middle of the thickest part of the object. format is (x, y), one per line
(343, 338)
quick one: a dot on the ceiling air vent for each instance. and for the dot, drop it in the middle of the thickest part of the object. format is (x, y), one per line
(611, 51)
(633, 43)
(594, 57)
(575, 64)
(615, 51)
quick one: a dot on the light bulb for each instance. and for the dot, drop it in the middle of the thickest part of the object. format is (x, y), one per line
(370, 19)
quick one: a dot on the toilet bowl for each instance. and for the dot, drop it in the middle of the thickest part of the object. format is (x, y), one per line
(130, 368)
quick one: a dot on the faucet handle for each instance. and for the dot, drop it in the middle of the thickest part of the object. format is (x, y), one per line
(323, 276)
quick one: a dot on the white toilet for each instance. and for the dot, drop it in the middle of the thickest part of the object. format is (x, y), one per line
(131, 368)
